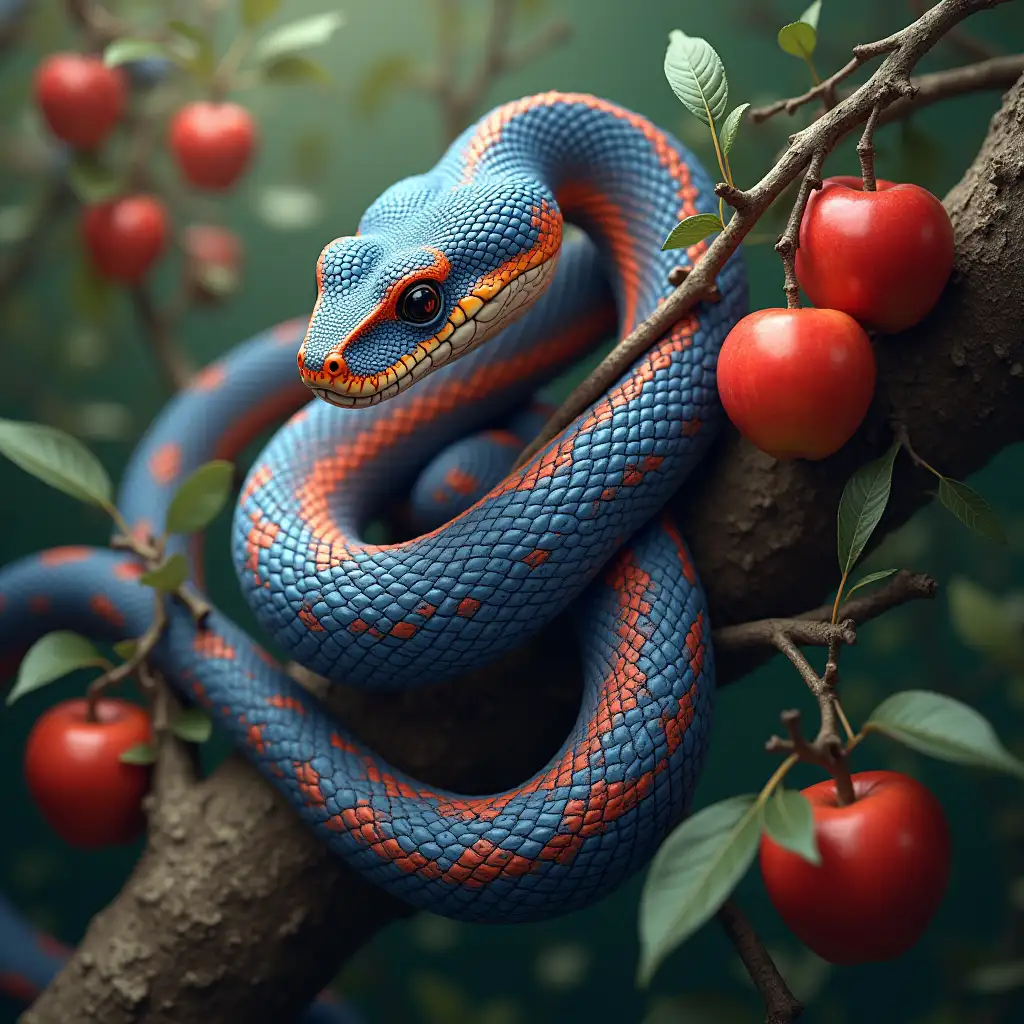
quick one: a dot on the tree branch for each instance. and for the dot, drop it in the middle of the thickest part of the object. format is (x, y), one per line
(781, 1006)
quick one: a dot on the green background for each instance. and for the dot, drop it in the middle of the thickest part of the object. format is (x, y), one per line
(97, 380)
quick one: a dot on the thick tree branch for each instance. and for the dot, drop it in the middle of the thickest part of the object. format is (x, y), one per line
(197, 936)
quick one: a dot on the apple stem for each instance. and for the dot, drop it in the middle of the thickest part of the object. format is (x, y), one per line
(866, 151)
(845, 794)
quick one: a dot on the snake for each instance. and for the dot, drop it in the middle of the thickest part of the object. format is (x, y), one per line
(438, 328)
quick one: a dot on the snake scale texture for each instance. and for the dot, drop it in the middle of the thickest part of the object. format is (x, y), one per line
(436, 326)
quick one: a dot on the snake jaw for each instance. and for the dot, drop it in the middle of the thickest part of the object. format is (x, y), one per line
(474, 319)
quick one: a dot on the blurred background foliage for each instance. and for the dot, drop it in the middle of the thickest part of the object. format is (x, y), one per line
(73, 354)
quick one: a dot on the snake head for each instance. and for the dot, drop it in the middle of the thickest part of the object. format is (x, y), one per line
(433, 273)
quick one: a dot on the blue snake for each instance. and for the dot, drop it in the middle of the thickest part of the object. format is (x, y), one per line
(435, 327)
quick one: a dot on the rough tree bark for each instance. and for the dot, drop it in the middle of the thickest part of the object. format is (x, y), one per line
(236, 913)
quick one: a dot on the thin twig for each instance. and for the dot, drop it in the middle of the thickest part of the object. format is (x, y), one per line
(789, 240)
(458, 104)
(890, 81)
(813, 627)
(781, 1006)
(866, 151)
(160, 325)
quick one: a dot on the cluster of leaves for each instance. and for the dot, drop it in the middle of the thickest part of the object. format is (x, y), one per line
(697, 76)
(63, 462)
(704, 859)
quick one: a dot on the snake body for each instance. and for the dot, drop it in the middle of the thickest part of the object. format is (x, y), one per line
(576, 527)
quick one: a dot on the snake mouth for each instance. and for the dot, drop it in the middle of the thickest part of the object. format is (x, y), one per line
(475, 319)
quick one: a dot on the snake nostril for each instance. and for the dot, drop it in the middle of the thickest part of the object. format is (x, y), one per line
(333, 366)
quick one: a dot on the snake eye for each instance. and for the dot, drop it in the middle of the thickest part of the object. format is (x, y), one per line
(420, 303)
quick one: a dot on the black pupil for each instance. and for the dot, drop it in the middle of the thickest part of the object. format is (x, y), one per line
(421, 303)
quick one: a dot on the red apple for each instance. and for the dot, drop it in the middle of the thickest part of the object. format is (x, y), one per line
(81, 99)
(87, 795)
(125, 237)
(883, 257)
(885, 862)
(212, 143)
(797, 383)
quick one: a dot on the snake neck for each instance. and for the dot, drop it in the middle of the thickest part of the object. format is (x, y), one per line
(607, 169)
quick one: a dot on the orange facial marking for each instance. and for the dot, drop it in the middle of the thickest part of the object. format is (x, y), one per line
(165, 463)
(335, 368)
(549, 224)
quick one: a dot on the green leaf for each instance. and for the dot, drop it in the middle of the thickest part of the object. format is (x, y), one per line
(864, 499)
(298, 35)
(693, 229)
(789, 821)
(255, 12)
(198, 55)
(126, 649)
(697, 76)
(58, 459)
(90, 180)
(810, 16)
(971, 509)
(193, 726)
(140, 753)
(125, 51)
(987, 623)
(168, 576)
(692, 875)
(50, 658)
(872, 577)
(731, 127)
(202, 494)
(798, 39)
(801, 37)
(944, 728)
(382, 80)
(293, 70)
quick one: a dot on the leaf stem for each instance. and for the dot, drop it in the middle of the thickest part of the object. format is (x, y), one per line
(778, 775)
